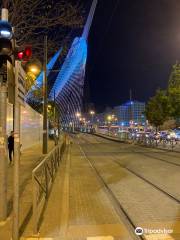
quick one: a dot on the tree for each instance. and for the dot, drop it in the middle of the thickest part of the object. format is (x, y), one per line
(174, 80)
(174, 91)
(158, 109)
(34, 19)
(174, 100)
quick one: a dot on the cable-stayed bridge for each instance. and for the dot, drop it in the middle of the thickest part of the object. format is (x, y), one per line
(67, 88)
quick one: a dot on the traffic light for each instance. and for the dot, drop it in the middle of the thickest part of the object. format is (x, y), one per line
(20, 55)
(5, 42)
(25, 54)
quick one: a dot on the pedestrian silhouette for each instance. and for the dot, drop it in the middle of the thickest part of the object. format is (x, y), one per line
(11, 145)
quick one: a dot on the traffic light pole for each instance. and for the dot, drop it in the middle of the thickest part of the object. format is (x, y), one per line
(45, 132)
(3, 140)
(15, 230)
(16, 129)
(3, 151)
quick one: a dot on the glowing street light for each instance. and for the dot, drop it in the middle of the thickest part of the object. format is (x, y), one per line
(109, 118)
(92, 112)
(78, 114)
(34, 69)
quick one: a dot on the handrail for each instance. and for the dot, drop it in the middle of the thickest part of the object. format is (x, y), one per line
(42, 178)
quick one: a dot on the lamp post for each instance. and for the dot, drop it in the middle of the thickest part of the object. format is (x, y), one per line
(45, 128)
(92, 113)
(109, 118)
(78, 115)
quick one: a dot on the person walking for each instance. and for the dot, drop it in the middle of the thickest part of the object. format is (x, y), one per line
(11, 146)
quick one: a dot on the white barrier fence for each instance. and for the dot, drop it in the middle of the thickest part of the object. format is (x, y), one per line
(42, 179)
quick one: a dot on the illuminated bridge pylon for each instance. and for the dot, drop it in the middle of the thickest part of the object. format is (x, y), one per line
(69, 84)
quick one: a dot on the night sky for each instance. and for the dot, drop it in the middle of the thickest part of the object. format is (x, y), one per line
(132, 45)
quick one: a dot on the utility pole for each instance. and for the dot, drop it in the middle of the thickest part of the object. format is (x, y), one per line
(3, 140)
(45, 133)
(131, 110)
(15, 231)
(3, 151)
(55, 123)
(130, 95)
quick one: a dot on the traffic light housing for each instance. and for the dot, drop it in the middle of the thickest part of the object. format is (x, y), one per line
(5, 42)
(25, 54)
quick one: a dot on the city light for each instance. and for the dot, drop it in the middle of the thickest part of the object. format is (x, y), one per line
(92, 112)
(78, 114)
(109, 117)
(34, 69)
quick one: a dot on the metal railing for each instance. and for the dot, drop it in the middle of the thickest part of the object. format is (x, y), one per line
(168, 144)
(42, 179)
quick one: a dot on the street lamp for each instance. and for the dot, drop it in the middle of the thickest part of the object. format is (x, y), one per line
(92, 113)
(109, 118)
(34, 69)
(78, 114)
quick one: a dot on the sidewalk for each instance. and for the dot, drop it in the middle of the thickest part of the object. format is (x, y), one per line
(29, 159)
(78, 207)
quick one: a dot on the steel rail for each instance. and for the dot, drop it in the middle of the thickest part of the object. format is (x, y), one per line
(122, 213)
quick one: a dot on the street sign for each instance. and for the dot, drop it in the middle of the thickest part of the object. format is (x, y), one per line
(20, 83)
(11, 83)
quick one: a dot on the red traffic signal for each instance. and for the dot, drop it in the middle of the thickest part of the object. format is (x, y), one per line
(25, 54)
(28, 52)
(20, 55)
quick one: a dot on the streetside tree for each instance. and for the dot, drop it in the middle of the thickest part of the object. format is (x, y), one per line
(174, 92)
(34, 19)
(174, 100)
(158, 109)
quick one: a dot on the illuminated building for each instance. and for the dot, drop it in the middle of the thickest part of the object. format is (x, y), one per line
(131, 112)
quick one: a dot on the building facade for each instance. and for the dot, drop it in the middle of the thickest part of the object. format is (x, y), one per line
(131, 112)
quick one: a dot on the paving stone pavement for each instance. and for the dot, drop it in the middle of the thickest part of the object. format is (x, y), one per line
(163, 174)
(144, 204)
(29, 159)
(78, 206)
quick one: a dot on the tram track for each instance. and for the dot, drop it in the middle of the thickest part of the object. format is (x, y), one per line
(149, 154)
(171, 196)
(160, 159)
(149, 182)
(122, 213)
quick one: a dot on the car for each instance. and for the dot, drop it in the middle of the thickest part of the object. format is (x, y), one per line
(171, 135)
(177, 135)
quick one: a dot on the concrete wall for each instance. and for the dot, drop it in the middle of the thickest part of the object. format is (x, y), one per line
(31, 125)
